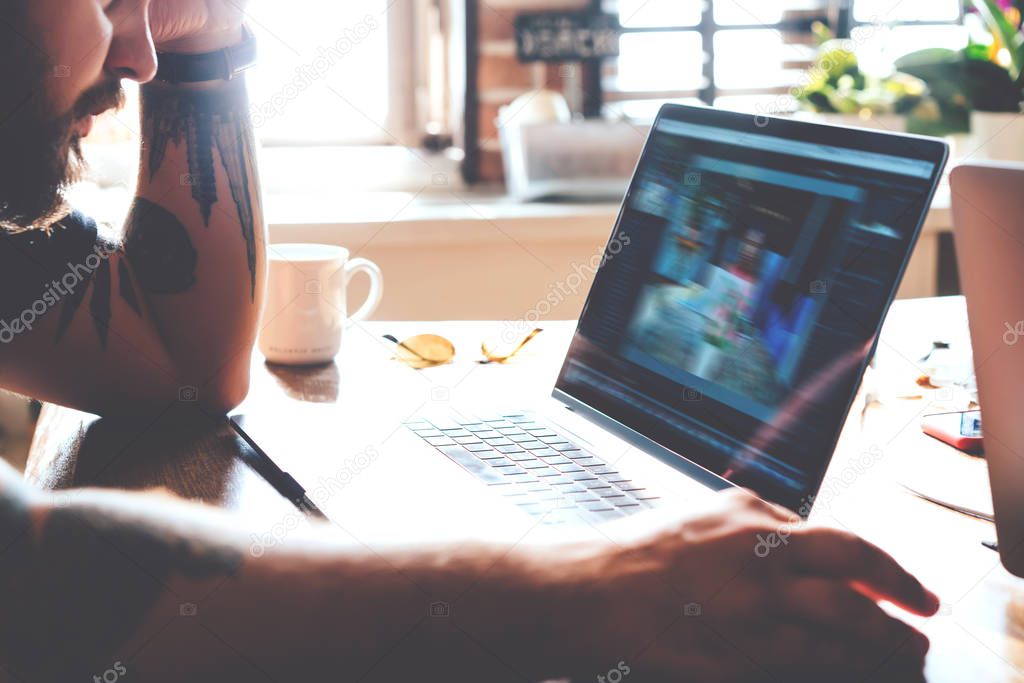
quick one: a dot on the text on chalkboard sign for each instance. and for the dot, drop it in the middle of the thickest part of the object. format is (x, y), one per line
(567, 36)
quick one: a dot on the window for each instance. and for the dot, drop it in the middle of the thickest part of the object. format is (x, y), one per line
(748, 54)
(324, 72)
(328, 73)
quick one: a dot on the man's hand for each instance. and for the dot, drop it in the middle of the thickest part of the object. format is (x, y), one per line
(196, 25)
(698, 601)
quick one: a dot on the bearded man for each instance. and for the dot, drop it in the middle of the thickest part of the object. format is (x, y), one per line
(100, 585)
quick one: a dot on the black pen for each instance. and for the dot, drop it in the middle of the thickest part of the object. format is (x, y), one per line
(284, 483)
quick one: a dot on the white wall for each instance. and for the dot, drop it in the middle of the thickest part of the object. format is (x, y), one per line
(500, 263)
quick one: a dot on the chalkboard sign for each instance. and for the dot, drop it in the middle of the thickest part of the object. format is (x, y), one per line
(567, 36)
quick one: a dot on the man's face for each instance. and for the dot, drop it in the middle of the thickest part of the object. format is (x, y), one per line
(61, 63)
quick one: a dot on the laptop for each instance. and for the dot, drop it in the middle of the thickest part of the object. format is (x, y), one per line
(988, 217)
(738, 300)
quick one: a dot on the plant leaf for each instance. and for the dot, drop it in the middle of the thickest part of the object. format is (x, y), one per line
(997, 22)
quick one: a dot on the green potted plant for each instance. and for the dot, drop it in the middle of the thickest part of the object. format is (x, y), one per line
(978, 89)
(838, 91)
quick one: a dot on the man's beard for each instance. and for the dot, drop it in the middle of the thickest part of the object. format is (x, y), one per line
(41, 156)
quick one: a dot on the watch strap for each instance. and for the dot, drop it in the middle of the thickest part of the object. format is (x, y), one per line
(220, 65)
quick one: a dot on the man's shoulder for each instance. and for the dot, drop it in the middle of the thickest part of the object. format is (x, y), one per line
(32, 259)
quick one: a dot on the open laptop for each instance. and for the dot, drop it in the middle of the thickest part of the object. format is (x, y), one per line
(988, 217)
(739, 299)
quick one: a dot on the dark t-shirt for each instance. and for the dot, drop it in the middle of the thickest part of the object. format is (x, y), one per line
(42, 271)
(31, 262)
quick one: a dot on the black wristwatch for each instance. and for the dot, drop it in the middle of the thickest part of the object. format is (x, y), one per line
(221, 65)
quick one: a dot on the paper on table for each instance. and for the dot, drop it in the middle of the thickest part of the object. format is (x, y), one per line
(951, 479)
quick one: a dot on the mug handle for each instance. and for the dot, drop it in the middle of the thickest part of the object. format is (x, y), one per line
(372, 270)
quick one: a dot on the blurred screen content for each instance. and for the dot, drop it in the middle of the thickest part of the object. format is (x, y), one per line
(733, 326)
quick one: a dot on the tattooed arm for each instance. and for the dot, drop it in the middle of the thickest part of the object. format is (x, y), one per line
(109, 325)
(96, 581)
(195, 238)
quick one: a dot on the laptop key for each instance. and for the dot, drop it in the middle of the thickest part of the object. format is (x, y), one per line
(521, 457)
(500, 441)
(570, 468)
(519, 438)
(512, 448)
(534, 464)
(466, 440)
(488, 434)
(557, 459)
(585, 497)
(477, 467)
(478, 448)
(597, 506)
(582, 457)
(565, 446)
(440, 441)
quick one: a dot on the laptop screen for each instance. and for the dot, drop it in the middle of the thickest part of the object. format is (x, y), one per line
(743, 289)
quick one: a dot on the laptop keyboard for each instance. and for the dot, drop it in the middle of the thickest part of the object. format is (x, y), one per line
(535, 467)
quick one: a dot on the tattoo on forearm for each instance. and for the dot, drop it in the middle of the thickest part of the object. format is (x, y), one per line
(160, 250)
(96, 266)
(99, 305)
(204, 121)
(79, 589)
(127, 288)
(72, 301)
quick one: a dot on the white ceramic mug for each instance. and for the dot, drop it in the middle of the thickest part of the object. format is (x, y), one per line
(306, 308)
